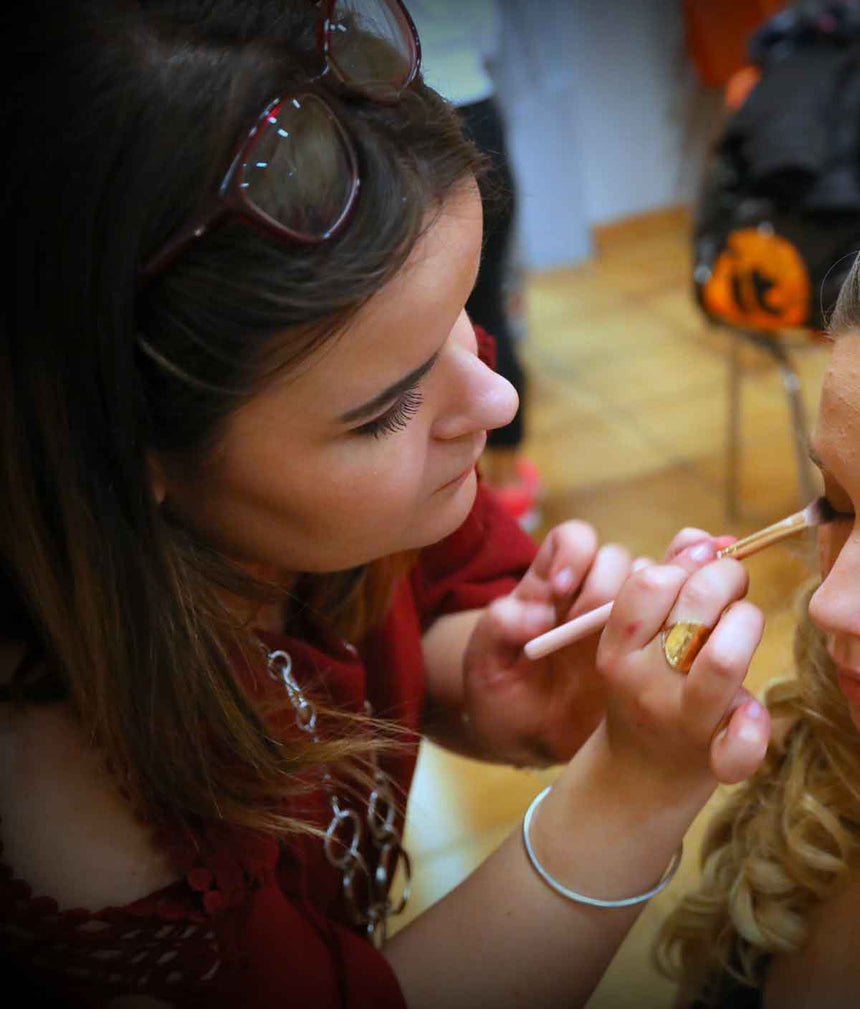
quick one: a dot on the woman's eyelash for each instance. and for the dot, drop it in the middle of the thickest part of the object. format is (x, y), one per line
(396, 418)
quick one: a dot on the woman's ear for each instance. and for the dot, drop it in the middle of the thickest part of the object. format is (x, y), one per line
(157, 478)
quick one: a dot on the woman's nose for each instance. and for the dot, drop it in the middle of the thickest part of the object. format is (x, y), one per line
(480, 401)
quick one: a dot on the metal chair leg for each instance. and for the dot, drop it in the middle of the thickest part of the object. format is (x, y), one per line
(799, 426)
(733, 432)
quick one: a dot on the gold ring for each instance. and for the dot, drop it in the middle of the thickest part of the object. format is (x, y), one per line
(682, 642)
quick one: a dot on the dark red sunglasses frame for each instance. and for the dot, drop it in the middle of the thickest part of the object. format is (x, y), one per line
(325, 32)
(231, 198)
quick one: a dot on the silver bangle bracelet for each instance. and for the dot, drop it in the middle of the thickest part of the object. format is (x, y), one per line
(580, 898)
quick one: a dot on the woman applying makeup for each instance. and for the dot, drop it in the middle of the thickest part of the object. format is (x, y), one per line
(245, 559)
(774, 920)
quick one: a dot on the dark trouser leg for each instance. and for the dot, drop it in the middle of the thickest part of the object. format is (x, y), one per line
(487, 306)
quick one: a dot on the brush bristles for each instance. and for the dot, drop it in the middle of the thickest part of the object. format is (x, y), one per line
(820, 512)
(816, 513)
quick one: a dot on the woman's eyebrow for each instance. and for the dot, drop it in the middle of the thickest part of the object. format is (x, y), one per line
(373, 406)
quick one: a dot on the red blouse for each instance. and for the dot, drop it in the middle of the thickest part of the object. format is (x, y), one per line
(252, 922)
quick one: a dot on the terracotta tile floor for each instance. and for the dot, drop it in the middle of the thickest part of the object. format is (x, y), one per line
(626, 421)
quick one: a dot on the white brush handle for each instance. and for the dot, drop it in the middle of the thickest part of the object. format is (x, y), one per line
(566, 634)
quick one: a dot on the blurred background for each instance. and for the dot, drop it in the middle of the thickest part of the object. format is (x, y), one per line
(682, 218)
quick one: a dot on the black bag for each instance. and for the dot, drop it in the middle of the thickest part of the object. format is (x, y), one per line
(778, 221)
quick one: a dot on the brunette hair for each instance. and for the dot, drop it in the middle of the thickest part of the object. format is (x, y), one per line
(125, 116)
(784, 840)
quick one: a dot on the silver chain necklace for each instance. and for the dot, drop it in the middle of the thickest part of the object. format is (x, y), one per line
(343, 852)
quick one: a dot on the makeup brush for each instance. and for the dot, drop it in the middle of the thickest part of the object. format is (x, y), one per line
(817, 513)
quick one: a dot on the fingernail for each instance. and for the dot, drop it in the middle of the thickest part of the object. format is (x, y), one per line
(702, 552)
(563, 581)
(752, 709)
(749, 734)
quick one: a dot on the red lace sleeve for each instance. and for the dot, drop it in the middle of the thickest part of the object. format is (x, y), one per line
(486, 347)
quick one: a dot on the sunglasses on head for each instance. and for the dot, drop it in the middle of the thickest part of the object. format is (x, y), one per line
(295, 176)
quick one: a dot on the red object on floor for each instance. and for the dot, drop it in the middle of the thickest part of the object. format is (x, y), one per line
(521, 499)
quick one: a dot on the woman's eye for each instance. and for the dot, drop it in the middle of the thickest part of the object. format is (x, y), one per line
(396, 418)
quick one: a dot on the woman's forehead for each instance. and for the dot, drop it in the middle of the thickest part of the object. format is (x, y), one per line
(400, 327)
(385, 337)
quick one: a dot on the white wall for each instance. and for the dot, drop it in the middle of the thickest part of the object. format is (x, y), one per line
(630, 84)
(604, 114)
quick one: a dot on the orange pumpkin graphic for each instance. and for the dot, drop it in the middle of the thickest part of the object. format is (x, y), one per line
(759, 281)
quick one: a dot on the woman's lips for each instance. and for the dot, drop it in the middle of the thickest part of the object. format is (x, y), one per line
(464, 473)
(460, 478)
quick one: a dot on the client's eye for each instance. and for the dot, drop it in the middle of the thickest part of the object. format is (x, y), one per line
(840, 514)
(396, 418)
(833, 494)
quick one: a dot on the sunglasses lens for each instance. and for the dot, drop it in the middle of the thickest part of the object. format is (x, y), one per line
(372, 46)
(299, 172)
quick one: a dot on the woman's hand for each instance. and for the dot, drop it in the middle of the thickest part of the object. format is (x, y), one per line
(538, 713)
(674, 726)
(616, 813)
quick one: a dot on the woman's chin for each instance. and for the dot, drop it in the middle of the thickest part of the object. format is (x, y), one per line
(450, 507)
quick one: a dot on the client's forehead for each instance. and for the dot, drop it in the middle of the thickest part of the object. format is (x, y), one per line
(838, 426)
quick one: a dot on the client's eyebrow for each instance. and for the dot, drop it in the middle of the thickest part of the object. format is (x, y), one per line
(815, 457)
(373, 406)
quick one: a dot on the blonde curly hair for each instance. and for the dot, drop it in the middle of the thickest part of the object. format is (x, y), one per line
(782, 841)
